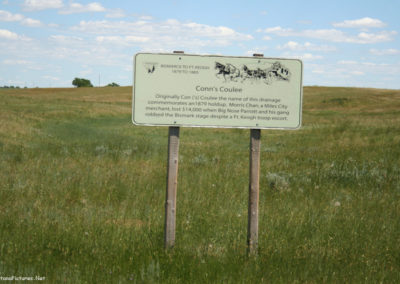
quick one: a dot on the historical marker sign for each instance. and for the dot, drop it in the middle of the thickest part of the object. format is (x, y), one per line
(217, 91)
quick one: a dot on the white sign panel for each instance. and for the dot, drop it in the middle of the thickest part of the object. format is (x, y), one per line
(217, 91)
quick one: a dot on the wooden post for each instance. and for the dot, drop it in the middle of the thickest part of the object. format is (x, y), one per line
(254, 181)
(172, 183)
(254, 188)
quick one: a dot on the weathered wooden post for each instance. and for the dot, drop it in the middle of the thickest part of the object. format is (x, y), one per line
(254, 188)
(172, 184)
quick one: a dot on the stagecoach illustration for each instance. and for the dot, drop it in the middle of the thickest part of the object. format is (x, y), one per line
(229, 72)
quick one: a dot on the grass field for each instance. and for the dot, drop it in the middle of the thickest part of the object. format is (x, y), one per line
(82, 193)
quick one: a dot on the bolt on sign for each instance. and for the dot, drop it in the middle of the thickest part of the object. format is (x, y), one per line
(217, 91)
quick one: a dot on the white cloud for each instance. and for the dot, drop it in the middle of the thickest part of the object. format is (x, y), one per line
(111, 42)
(211, 31)
(62, 39)
(304, 56)
(31, 22)
(87, 49)
(146, 18)
(390, 51)
(126, 40)
(278, 30)
(257, 50)
(309, 56)
(304, 22)
(86, 72)
(6, 34)
(70, 8)
(357, 73)
(347, 62)
(335, 35)
(360, 23)
(52, 78)
(166, 35)
(383, 36)
(355, 68)
(74, 8)
(363, 65)
(353, 73)
(318, 71)
(292, 45)
(37, 5)
(295, 46)
(16, 62)
(116, 13)
(6, 16)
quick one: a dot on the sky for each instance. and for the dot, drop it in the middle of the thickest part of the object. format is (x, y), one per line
(47, 43)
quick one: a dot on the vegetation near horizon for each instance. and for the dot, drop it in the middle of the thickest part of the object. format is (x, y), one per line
(82, 192)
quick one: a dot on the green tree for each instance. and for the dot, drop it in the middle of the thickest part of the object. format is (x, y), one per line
(81, 82)
(113, 85)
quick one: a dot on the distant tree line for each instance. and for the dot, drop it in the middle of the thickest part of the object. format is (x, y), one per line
(82, 82)
(11, 87)
(113, 85)
(77, 82)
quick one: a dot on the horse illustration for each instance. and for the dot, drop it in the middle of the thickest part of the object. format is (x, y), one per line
(254, 74)
(228, 71)
(279, 72)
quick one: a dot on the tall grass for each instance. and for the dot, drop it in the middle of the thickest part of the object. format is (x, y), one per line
(82, 193)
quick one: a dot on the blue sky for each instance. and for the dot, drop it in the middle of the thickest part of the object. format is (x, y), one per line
(47, 43)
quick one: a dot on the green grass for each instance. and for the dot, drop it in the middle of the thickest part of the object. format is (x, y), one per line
(82, 193)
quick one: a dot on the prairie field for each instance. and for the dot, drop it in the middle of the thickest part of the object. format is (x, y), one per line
(82, 192)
